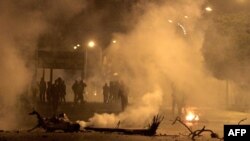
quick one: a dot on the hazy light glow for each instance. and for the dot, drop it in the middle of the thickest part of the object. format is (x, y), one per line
(114, 41)
(191, 117)
(183, 28)
(170, 21)
(78, 45)
(91, 44)
(208, 9)
(186, 17)
(75, 47)
(241, 1)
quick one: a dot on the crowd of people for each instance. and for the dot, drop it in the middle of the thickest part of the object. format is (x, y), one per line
(115, 92)
(79, 90)
(55, 93)
(52, 92)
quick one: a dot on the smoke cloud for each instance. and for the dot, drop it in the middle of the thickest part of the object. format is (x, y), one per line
(163, 48)
(22, 22)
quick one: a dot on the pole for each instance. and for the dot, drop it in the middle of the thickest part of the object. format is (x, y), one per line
(86, 62)
(51, 75)
(43, 72)
(101, 59)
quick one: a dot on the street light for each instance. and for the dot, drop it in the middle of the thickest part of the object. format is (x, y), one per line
(91, 44)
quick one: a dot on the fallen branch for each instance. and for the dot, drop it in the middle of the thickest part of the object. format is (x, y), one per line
(242, 120)
(198, 132)
(180, 121)
(153, 126)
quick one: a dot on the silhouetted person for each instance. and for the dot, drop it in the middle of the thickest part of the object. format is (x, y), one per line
(181, 103)
(106, 91)
(112, 91)
(123, 94)
(178, 100)
(63, 92)
(74, 88)
(55, 96)
(35, 90)
(81, 91)
(42, 89)
(49, 91)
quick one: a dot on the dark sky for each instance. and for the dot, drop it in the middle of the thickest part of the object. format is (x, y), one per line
(97, 21)
(101, 18)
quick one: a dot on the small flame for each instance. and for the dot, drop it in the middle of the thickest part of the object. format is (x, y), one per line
(191, 116)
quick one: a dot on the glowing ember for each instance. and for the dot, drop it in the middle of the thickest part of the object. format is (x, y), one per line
(191, 117)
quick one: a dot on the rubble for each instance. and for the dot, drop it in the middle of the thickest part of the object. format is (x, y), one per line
(57, 122)
(198, 132)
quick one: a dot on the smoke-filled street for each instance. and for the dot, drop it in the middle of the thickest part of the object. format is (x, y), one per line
(214, 121)
(124, 69)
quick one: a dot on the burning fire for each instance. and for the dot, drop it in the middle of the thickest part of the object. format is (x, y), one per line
(190, 116)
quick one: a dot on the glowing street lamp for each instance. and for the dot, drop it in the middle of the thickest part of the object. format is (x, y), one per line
(76, 46)
(114, 41)
(91, 44)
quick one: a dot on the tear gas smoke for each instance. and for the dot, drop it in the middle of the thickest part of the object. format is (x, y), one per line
(22, 22)
(156, 54)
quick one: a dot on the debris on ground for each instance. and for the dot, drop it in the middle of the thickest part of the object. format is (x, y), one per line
(57, 122)
(150, 131)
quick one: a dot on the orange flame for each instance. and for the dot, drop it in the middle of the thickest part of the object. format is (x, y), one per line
(190, 116)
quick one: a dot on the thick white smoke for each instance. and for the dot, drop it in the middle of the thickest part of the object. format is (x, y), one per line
(158, 53)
